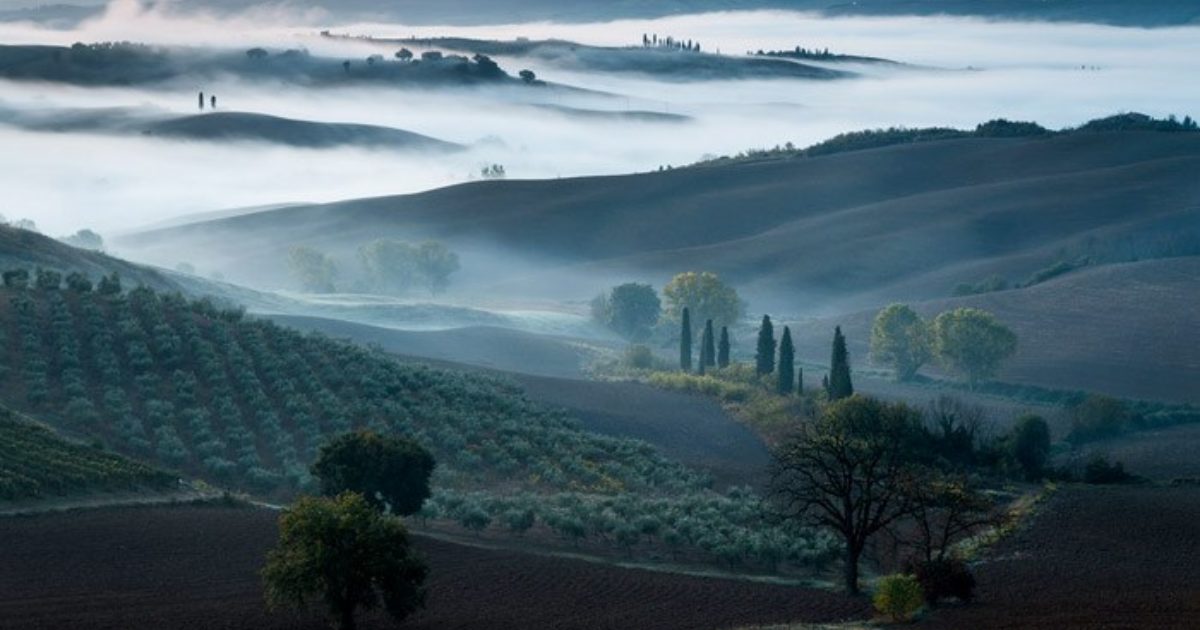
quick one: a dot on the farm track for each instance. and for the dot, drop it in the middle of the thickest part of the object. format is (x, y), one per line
(195, 567)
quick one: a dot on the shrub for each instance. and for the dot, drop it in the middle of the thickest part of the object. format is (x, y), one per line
(898, 597)
(1099, 470)
(1098, 417)
(638, 357)
(1029, 445)
(947, 578)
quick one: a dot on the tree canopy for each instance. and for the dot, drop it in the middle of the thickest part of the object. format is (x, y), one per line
(391, 473)
(707, 297)
(345, 554)
(900, 340)
(972, 342)
(631, 310)
(315, 271)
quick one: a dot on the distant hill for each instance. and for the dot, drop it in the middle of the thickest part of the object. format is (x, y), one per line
(300, 133)
(828, 233)
(1146, 13)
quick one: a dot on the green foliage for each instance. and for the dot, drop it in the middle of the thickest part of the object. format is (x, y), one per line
(723, 348)
(391, 473)
(840, 385)
(315, 271)
(786, 382)
(708, 351)
(1098, 417)
(396, 267)
(898, 596)
(343, 553)
(705, 295)
(764, 350)
(1029, 445)
(943, 579)
(900, 339)
(987, 285)
(631, 310)
(971, 342)
(36, 463)
(640, 357)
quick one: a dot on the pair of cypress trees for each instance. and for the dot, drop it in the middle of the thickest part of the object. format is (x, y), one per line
(711, 355)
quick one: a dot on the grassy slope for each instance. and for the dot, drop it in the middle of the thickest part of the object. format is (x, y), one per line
(25, 249)
(1127, 330)
(37, 464)
(301, 133)
(834, 232)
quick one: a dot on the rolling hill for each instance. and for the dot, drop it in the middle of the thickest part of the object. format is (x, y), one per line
(810, 235)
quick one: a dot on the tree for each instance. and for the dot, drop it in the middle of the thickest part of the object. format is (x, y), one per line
(434, 265)
(85, 239)
(764, 355)
(705, 295)
(708, 352)
(404, 54)
(848, 471)
(315, 271)
(840, 385)
(1029, 445)
(389, 472)
(47, 279)
(945, 509)
(685, 341)
(256, 53)
(972, 343)
(527, 76)
(79, 282)
(347, 555)
(787, 364)
(390, 265)
(900, 340)
(109, 285)
(16, 278)
(723, 348)
(630, 310)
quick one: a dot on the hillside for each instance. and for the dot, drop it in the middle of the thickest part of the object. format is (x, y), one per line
(808, 235)
(298, 133)
(37, 464)
(25, 249)
(1126, 330)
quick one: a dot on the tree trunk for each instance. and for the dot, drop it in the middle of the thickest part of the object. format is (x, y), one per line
(850, 571)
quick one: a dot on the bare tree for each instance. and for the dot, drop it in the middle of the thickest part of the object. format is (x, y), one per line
(945, 510)
(849, 471)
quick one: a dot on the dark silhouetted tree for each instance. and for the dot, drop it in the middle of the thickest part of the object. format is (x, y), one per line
(527, 76)
(708, 350)
(840, 385)
(723, 348)
(345, 554)
(685, 341)
(787, 363)
(404, 54)
(1029, 445)
(764, 356)
(390, 472)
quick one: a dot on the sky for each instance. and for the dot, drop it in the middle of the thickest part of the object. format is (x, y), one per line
(968, 71)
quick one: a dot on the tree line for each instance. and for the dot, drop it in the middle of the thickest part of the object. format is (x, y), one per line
(386, 266)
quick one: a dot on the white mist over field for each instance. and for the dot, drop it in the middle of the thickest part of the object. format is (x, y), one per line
(1055, 74)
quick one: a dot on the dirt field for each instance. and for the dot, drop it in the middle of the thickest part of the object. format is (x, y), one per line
(196, 568)
(1093, 557)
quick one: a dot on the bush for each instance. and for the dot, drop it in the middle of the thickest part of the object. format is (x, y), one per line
(638, 357)
(1099, 470)
(947, 578)
(898, 597)
(1098, 417)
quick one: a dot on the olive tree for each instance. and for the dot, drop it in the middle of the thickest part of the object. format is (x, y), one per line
(390, 472)
(705, 295)
(345, 554)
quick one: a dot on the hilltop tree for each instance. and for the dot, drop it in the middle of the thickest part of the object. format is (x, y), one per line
(840, 385)
(685, 341)
(347, 555)
(705, 295)
(527, 76)
(900, 339)
(723, 348)
(390, 473)
(404, 54)
(631, 310)
(764, 356)
(316, 272)
(708, 352)
(85, 239)
(848, 472)
(787, 363)
(972, 343)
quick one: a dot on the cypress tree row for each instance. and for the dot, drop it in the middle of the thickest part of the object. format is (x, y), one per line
(839, 368)
(787, 363)
(708, 352)
(723, 348)
(765, 354)
(685, 342)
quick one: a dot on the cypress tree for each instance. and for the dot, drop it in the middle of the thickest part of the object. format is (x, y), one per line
(765, 354)
(723, 348)
(708, 353)
(685, 342)
(787, 363)
(839, 368)
(800, 381)
(705, 344)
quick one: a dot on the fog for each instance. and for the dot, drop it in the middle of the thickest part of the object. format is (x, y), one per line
(961, 72)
